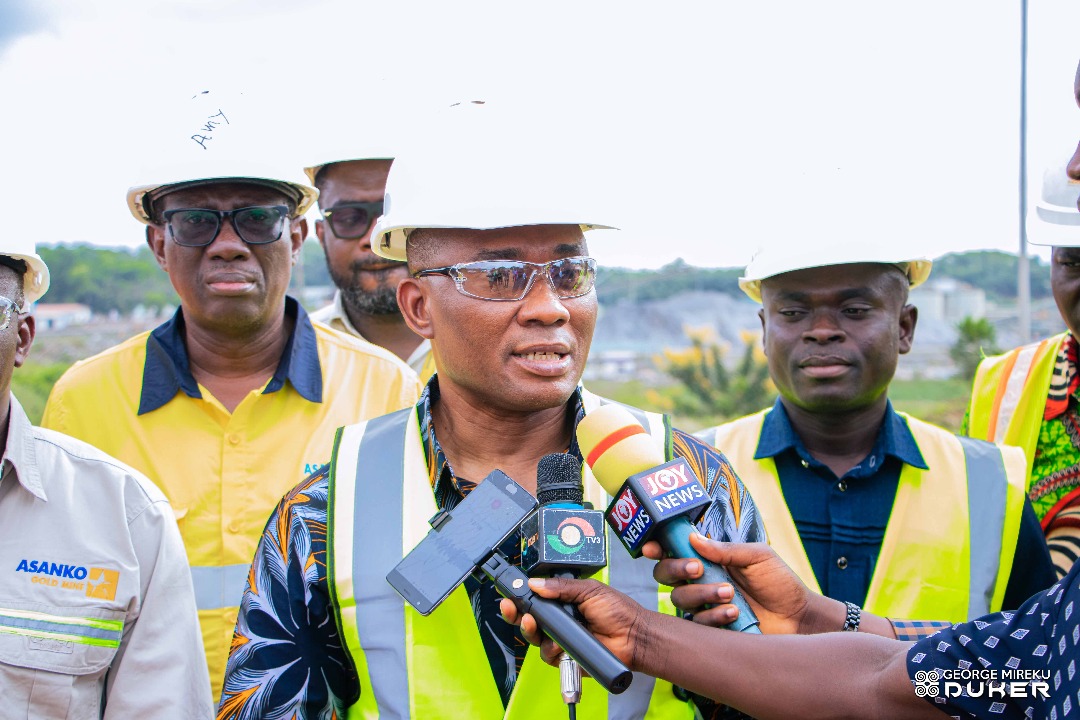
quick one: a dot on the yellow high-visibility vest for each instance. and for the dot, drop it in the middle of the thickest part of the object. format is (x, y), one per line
(1008, 397)
(934, 562)
(411, 666)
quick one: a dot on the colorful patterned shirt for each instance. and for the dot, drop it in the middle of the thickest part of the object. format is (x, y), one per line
(288, 659)
(1039, 642)
(1055, 470)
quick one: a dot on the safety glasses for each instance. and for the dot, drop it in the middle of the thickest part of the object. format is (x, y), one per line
(508, 280)
(198, 227)
(9, 309)
(351, 220)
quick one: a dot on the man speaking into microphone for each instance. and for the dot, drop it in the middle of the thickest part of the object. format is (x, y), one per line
(502, 284)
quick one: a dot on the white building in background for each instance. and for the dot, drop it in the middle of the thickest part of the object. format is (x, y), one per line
(56, 316)
(948, 300)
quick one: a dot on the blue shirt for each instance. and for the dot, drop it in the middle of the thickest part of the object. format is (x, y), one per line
(167, 370)
(842, 520)
(1041, 637)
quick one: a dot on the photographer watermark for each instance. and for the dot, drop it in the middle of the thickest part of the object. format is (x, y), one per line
(977, 682)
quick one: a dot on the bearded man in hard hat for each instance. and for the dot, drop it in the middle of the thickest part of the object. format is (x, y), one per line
(502, 284)
(365, 302)
(870, 506)
(97, 610)
(1029, 396)
(235, 399)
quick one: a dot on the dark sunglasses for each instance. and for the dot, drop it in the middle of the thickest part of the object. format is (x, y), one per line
(508, 280)
(198, 227)
(351, 220)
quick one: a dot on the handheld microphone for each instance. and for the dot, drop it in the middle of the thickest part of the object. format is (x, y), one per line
(653, 499)
(563, 539)
(465, 540)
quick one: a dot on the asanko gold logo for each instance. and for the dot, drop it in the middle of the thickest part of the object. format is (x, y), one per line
(99, 583)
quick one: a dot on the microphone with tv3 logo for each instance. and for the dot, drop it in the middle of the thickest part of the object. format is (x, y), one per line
(563, 539)
(653, 499)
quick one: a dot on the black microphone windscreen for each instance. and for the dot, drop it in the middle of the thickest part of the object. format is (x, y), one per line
(558, 479)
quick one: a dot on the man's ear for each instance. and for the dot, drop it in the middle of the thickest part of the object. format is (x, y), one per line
(320, 232)
(298, 232)
(155, 240)
(27, 330)
(413, 303)
(761, 317)
(909, 316)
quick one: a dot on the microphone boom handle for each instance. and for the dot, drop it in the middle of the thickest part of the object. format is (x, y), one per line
(593, 657)
(674, 537)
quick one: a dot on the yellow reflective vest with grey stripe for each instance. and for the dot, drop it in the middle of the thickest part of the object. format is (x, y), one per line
(1008, 396)
(948, 549)
(410, 666)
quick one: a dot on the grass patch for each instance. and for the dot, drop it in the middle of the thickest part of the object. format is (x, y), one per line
(941, 402)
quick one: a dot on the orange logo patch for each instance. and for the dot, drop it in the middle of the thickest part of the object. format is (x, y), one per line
(101, 583)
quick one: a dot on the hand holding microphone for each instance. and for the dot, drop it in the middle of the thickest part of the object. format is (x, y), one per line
(652, 499)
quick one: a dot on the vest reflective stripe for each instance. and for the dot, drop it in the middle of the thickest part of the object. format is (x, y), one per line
(1012, 391)
(219, 587)
(382, 631)
(985, 463)
(78, 630)
(1008, 399)
(415, 667)
(929, 536)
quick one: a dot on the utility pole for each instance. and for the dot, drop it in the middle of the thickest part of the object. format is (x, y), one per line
(1023, 280)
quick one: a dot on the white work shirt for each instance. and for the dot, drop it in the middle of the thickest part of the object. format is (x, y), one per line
(97, 610)
(335, 316)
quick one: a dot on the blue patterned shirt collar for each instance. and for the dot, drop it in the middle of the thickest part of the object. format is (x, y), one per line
(167, 369)
(447, 486)
(894, 438)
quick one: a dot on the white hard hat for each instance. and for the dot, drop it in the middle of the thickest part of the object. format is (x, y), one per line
(775, 261)
(1056, 220)
(212, 138)
(36, 278)
(312, 171)
(477, 174)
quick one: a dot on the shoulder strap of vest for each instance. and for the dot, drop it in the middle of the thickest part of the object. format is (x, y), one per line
(1001, 388)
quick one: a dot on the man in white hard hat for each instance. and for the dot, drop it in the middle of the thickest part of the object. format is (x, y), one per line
(870, 506)
(235, 399)
(1028, 396)
(97, 610)
(502, 285)
(365, 302)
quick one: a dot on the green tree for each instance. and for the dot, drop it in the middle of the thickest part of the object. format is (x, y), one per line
(975, 341)
(708, 387)
(106, 279)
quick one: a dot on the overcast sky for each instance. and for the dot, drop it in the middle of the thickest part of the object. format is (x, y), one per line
(704, 129)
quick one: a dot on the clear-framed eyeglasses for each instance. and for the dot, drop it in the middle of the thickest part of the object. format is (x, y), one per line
(510, 280)
(9, 309)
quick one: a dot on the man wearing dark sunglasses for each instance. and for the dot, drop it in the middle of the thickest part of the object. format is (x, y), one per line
(503, 285)
(365, 303)
(234, 399)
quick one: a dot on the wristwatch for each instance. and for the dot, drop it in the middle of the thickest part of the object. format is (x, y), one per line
(854, 615)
